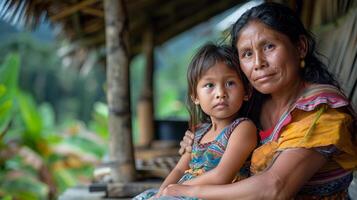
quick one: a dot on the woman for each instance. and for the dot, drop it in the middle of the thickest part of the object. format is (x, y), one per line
(308, 129)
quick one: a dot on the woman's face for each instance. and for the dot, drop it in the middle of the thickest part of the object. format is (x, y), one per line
(268, 58)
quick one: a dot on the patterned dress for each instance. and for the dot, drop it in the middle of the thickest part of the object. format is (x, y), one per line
(204, 157)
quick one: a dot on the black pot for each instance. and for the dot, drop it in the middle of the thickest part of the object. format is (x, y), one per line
(170, 129)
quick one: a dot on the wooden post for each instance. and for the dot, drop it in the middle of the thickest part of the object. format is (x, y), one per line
(145, 104)
(118, 92)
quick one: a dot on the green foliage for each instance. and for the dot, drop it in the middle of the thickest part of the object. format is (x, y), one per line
(99, 122)
(7, 197)
(30, 116)
(171, 106)
(21, 184)
(9, 71)
(43, 75)
(65, 179)
(34, 151)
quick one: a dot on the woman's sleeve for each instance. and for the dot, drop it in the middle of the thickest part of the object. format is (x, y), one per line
(326, 130)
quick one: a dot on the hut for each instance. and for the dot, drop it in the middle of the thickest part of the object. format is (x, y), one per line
(128, 27)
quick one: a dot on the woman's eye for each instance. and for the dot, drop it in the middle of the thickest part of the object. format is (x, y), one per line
(268, 46)
(246, 54)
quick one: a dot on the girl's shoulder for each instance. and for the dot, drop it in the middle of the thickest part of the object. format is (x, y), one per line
(230, 129)
(238, 127)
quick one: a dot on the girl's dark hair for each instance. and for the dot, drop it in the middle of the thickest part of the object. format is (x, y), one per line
(205, 58)
(284, 20)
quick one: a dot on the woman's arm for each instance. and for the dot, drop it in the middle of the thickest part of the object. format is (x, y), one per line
(177, 172)
(290, 171)
(240, 145)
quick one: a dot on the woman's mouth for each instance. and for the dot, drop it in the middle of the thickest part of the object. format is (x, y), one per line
(264, 77)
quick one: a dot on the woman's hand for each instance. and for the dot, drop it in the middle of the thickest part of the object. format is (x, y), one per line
(186, 143)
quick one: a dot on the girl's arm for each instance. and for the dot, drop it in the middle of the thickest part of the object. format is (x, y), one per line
(241, 143)
(177, 172)
(290, 171)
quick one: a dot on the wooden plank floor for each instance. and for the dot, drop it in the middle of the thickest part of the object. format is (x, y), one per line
(81, 193)
(113, 189)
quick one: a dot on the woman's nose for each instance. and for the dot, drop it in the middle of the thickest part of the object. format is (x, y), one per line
(259, 61)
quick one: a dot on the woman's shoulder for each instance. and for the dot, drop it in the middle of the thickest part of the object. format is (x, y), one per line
(317, 94)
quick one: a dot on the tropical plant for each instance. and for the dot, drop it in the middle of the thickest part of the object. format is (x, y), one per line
(38, 162)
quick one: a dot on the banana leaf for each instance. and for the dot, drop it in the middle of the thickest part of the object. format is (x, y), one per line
(9, 72)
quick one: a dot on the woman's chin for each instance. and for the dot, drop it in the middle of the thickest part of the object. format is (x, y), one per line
(266, 88)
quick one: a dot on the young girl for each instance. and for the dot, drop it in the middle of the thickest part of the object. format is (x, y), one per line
(223, 139)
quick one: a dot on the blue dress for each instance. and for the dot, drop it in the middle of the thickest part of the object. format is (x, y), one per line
(204, 157)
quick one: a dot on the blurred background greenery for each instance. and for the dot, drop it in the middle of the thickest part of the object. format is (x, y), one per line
(53, 115)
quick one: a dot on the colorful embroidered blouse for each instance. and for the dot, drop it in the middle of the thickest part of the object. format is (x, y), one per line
(318, 120)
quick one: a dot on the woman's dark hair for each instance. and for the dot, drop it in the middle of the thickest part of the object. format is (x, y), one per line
(284, 20)
(205, 58)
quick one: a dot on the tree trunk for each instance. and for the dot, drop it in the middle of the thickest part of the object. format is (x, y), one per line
(145, 104)
(118, 92)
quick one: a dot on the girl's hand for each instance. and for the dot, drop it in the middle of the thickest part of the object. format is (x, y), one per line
(186, 143)
(176, 190)
(155, 196)
(158, 194)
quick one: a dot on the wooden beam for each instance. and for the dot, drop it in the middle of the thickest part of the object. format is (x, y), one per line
(93, 11)
(96, 40)
(77, 25)
(121, 151)
(134, 6)
(93, 26)
(73, 9)
(145, 107)
(191, 20)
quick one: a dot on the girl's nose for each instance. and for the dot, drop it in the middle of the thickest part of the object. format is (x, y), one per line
(221, 93)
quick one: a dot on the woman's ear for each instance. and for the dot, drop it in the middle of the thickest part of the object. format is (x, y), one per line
(246, 97)
(302, 46)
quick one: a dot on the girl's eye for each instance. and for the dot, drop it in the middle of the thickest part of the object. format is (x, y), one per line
(268, 46)
(208, 85)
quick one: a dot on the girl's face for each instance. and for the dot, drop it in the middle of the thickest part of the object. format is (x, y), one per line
(220, 92)
(268, 58)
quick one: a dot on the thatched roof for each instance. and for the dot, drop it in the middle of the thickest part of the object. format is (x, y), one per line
(83, 20)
